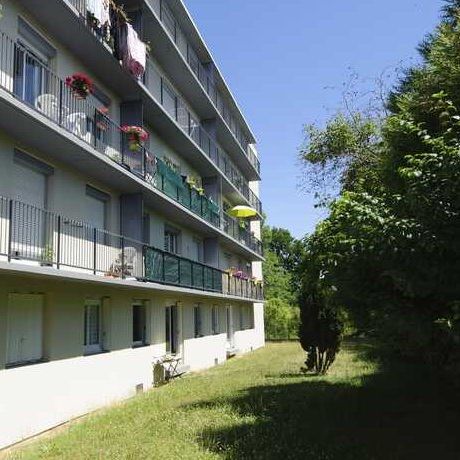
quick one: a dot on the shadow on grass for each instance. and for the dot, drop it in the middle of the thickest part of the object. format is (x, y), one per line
(397, 413)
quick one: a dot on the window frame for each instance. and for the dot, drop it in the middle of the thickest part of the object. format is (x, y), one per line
(143, 342)
(198, 321)
(215, 320)
(93, 348)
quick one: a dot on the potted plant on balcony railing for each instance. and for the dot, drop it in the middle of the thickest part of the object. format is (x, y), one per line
(136, 136)
(194, 184)
(47, 256)
(80, 85)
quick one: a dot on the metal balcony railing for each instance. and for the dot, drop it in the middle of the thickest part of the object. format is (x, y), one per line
(205, 78)
(27, 78)
(199, 70)
(52, 240)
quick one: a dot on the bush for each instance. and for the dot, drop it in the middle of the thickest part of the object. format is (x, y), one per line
(281, 320)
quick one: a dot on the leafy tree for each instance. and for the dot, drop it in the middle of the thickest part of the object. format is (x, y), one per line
(389, 250)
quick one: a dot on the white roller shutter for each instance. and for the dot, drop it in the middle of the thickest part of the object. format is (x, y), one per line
(24, 328)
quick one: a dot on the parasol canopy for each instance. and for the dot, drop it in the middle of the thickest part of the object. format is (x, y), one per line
(242, 211)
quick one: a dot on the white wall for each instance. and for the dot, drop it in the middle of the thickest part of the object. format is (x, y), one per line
(35, 398)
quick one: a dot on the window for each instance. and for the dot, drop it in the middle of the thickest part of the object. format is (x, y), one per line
(215, 320)
(171, 329)
(139, 325)
(197, 252)
(32, 58)
(92, 327)
(31, 227)
(172, 241)
(169, 101)
(198, 323)
(96, 207)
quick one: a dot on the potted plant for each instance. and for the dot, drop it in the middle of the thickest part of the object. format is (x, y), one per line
(80, 85)
(47, 256)
(136, 136)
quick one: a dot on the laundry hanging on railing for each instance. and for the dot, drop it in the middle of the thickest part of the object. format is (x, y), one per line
(133, 51)
(99, 13)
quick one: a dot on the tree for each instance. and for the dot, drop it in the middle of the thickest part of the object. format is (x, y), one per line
(320, 331)
(389, 250)
(283, 253)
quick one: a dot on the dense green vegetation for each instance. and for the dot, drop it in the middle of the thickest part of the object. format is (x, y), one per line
(261, 407)
(283, 258)
(389, 252)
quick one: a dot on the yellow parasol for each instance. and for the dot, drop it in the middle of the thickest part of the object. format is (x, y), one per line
(242, 212)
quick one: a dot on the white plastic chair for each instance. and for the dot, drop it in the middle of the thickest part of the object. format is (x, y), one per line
(48, 104)
(119, 268)
(76, 123)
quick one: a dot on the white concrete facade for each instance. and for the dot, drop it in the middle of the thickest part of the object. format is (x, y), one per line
(69, 344)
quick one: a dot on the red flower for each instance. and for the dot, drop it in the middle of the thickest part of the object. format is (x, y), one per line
(80, 83)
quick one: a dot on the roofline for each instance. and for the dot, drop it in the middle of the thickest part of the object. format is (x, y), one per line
(181, 5)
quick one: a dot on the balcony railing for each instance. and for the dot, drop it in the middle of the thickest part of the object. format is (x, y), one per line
(205, 78)
(23, 75)
(202, 74)
(234, 228)
(31, 234)
(178, 110)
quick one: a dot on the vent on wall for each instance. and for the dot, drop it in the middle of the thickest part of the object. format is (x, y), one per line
(139, 388)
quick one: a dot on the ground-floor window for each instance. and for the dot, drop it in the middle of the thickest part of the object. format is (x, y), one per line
(215, 320)
(198, 321)
(246, 317)
(92, 341)
(139, 325)
(171, 330)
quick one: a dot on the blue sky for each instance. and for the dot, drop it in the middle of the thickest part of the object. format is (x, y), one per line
(286, 61)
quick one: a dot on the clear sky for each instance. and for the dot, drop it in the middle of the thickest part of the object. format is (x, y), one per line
(286, 61)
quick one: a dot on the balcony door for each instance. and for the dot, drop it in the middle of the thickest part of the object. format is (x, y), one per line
(24, 328)
(30, 221)
(172, 330)
(32, 78)
(230, 327)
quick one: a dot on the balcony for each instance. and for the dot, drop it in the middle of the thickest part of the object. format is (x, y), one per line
(40, 237)
(232, 132)
(207, 82)
(28, 80)
(178, 110)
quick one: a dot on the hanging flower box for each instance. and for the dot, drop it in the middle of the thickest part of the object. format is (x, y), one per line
(136, 136)
(80, 85)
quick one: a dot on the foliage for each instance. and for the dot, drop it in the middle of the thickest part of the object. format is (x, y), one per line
(320, 330)
(283, 256)
(281, 319)
(389, 249)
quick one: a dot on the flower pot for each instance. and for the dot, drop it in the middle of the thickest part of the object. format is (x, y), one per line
(134, 146)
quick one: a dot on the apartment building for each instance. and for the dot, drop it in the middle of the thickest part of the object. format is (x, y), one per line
(123, 160)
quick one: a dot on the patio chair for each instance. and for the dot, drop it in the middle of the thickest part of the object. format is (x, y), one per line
(48, 104)
(76, 123)
(119, 269)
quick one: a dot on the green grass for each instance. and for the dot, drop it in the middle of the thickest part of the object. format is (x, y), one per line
(261, 407)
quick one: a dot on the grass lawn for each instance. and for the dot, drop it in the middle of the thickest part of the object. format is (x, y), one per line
(261, 407)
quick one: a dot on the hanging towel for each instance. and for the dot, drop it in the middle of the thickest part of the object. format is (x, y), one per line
(135, 54)
(101, 11)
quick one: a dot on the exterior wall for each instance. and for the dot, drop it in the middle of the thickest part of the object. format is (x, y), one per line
(66, 188)
(71, 384)
(64, 63)
(36, 397)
